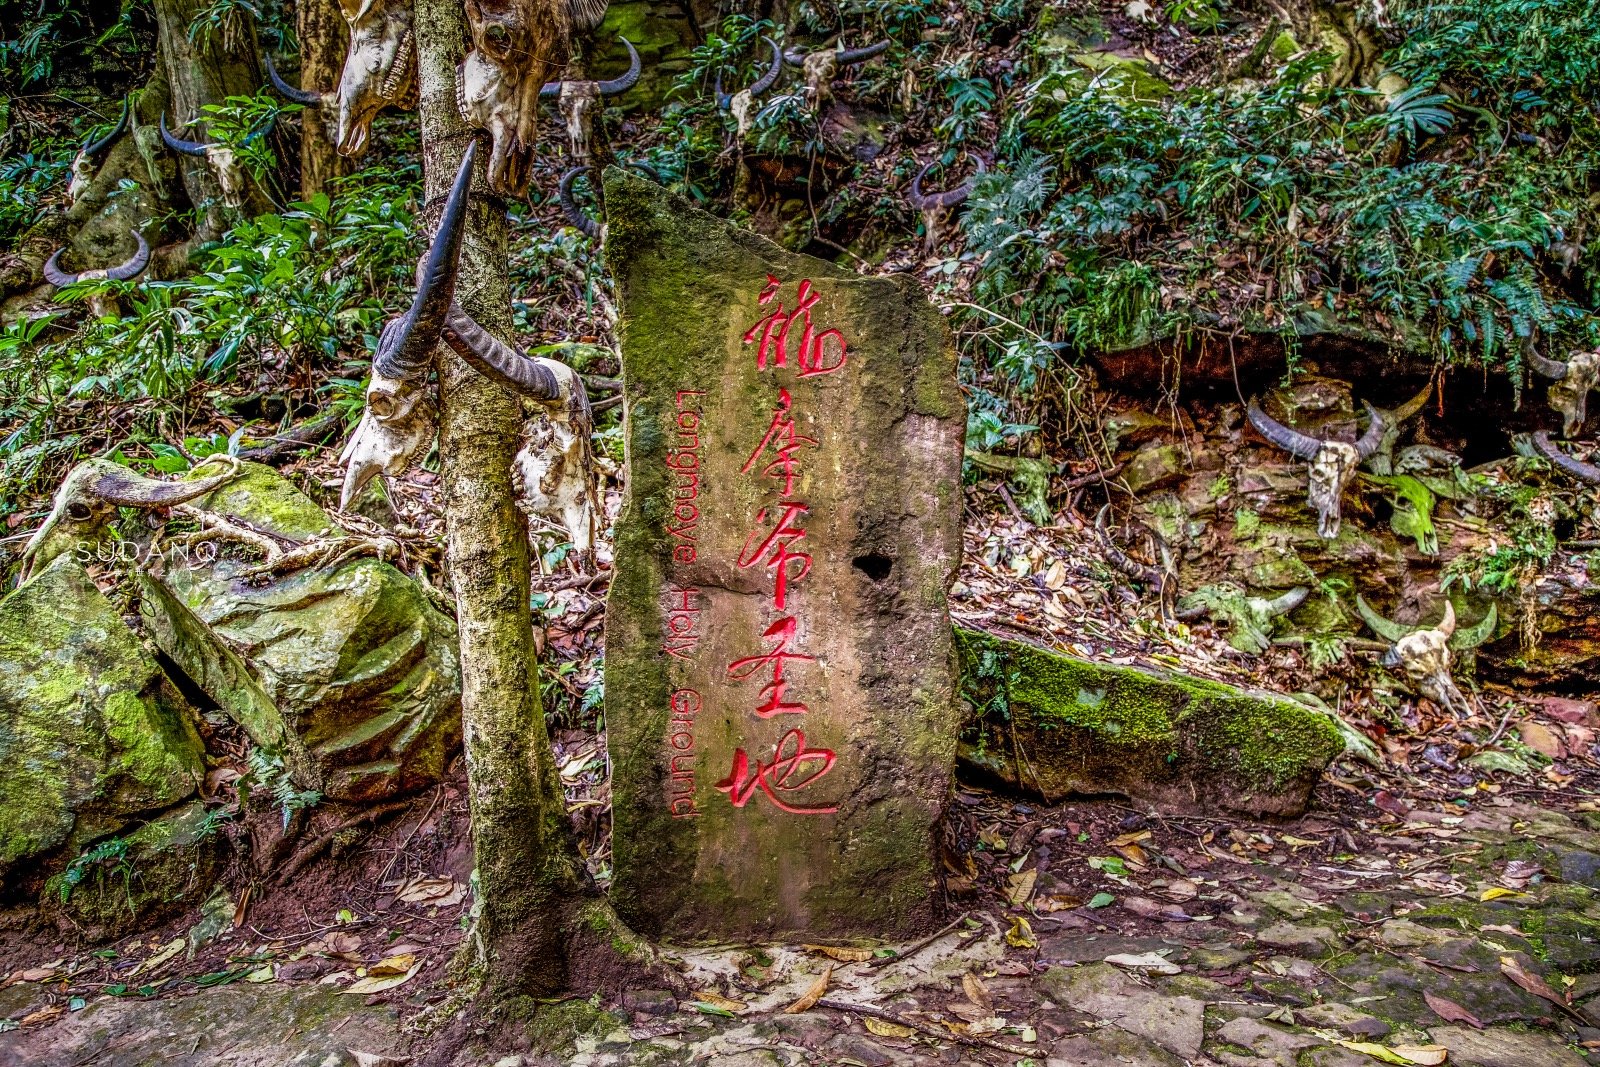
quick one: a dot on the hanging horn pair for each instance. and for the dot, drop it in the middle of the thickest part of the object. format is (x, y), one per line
(1304, 446)
(923, 201)
(405, 350)
(765, 82)
(846, 57)
(128, 269)
(611, 87)
(309, 97)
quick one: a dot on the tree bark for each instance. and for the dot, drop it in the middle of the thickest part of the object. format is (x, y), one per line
(323, 39)
(532, 887)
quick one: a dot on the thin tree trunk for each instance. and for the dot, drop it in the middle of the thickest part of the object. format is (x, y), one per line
(323, 38)
(531, 884)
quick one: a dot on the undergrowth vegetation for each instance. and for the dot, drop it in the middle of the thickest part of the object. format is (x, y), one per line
(1446, 216)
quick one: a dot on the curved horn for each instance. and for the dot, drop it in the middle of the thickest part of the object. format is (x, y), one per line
(405, 350)
(122, 272)
(1476, 634)
(569, 206)
(647, 170)
(923, 201)
(626, 81)
(309, 97)
(1384, 628)
(770, 78)
(116, 484)
(1447, 625)
(1549, 368)
(496, 360)
(1282, 605)
(1302, 446)
(1410, 408)
(178, 144)
(1585, 472)
(252, 138)
(724, 100)
(94, 148)
(1368, 442)
(859, 55)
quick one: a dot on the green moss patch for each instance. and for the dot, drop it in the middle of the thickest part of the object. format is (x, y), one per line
(1050, 724)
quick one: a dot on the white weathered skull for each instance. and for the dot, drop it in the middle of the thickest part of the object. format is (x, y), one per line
(743, 106)
(1427, 661)
(491, 103)
(820, 68)
(577, 104)
(1569, 397)
(555, 464)
(380, 68)
(398, 421)
(83, 171)
(225, 168)
(1331, 470)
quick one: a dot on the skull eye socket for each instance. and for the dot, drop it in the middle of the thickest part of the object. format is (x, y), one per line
(382, 405)
(78, 511)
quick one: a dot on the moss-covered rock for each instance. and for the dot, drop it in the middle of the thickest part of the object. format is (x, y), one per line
(92, 734)
(124, 882)
(1055, 725)
(348, 672)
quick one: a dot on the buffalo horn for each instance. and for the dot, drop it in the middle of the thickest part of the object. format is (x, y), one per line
(406, 347)
(309, 97)
(1586, 472)
(122, 272)
(1302, 446)
(178, 144)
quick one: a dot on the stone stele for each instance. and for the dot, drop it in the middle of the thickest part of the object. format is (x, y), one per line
(780, 679)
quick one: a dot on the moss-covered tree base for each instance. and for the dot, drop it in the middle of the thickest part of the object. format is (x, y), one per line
(1053, 725)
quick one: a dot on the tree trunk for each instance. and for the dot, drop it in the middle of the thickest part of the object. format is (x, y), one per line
(207, 69)
(323, 38)
(535, 896)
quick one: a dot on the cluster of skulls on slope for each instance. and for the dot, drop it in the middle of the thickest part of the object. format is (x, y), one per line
(1425, 654)
(499, 91)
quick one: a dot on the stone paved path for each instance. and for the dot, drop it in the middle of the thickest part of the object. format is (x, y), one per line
(1276, 954)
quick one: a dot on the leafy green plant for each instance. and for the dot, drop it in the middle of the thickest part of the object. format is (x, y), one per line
(265, 770)
(110, 854)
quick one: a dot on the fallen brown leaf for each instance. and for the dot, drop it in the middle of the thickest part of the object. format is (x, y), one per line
(814, 994)
(1530, 981)
(1450, 1011)
(976, 991)
(840, 953)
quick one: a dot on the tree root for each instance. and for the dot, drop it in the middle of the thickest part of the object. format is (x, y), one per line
(933, 1031)
(300, 860)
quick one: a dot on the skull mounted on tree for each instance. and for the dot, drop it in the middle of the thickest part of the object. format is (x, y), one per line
(1571, 381)
(579, 99)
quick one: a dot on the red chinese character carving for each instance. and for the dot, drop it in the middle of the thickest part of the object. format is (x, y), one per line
(777, 542)
(782, 632)
(783, 434)
(793, 767)
(813, 356)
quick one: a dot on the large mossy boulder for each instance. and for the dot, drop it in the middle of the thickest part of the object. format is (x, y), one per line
(164, 866)
(92, 734)
(1050, 724)
(346, 671)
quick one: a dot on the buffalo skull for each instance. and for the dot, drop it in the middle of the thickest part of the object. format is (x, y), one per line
(1570, 383)
(819, 68)
(87, 161)
(742, 103)
(399, 417)
(578, 100)
(87, 502)
(1426, 654)
(936, 208)
(1333, 463)
(220, 158)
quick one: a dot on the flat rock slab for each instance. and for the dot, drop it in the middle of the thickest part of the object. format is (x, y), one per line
(232, 1026)
(1176, 1024)
(780, 681)
(1504, 1048)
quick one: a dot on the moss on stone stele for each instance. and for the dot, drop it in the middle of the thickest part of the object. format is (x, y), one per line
(1055, 725)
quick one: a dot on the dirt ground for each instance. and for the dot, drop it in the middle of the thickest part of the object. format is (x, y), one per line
(1083, 934)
